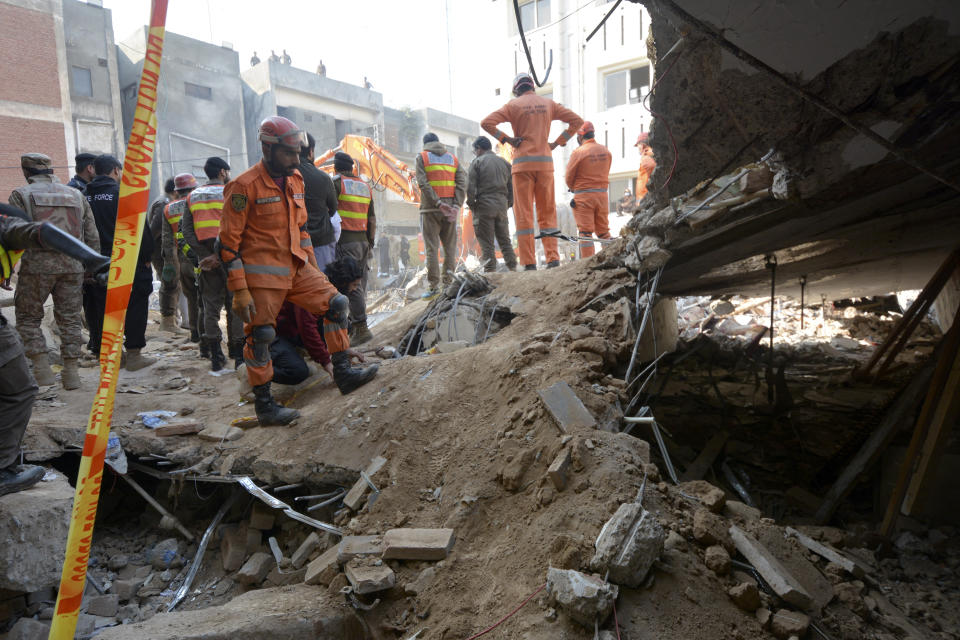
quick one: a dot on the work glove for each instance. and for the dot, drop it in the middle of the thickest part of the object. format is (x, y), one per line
(338, 310)
(514, 142)
(168, 274)
(573, 204)
(243, 305)
(209, 263)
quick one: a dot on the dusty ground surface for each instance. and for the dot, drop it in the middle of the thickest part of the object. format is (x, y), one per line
(468, 443)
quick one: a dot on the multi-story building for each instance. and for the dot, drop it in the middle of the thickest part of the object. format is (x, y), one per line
(94, 82)
(200, 109)
(35, 109)
(604, 80)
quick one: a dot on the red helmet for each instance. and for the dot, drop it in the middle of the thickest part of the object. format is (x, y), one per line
(279, 130)
(643, 138)
(586, 128)
(184, 181)
(522, 83)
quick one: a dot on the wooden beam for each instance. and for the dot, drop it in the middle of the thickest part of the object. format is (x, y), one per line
(898, 415)
(945, 361)
(704, 461)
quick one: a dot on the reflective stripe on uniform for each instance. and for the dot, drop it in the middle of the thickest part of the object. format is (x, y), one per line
(533, 159)
(234, 265)
(524, 232)
(353, 203)
(305, 243)
(566, 135)
(352, 214)
(266, 270)
(346, 198)
(575, 191)
(441, 172)
(202, 224)
(549, 230)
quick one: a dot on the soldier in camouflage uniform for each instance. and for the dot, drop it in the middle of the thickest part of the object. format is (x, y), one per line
(44, 272)
(17, 387)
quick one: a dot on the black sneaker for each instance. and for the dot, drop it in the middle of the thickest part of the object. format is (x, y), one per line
(19, 477)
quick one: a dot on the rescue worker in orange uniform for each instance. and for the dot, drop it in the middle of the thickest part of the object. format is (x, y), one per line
(530, 116)
(269, 258)
(178, 258)
(647, 165)
(200, 225)
(588, 176)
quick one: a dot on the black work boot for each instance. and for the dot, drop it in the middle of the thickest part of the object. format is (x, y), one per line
(269, 413)
(19, 477)
(217, 359)
(235, 351)
(553, 264)
(204, 349)
(194, 336)
(530, 267)
(360, 333)
(349, 377)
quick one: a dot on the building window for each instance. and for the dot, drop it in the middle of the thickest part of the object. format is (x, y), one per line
(307, 117)
(533, 14)
(626, 86)
(82, 81)
(198, 91)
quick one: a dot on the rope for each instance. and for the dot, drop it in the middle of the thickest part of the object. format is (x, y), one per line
(509, 615)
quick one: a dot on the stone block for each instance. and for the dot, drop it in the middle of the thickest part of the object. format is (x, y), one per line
(255, 569)
(254, 540)
(786, 623)
(33, 526)
(566, 408)
(585, 598)
(355, 498)
(166, 554)
(105, 605)
(366, 576)
(86, 624)
(717, 560)
(126, 590)
(28, 629)
(417, 544)
(737, 509)
(559, 468)
(354, 546)
(220, 433)
(628, 544)
(47, 594)
(745, 596)
(709, 529)
(323, 569)
(709, 496)
(305, 550)
(289, 576)
(783, 583)
(262, 517)
(233, 547)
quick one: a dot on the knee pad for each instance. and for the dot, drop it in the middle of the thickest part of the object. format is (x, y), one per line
(262, 335)
(339, 308)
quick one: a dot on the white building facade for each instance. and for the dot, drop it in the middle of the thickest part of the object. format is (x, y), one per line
(604, 80)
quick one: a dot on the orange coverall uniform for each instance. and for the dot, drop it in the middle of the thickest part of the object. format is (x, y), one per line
(530, 116)
(267, 250)
(647, 165)
(588, 176)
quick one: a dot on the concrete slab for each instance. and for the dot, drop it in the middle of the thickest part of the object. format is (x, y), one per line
(583, 597)
(783, 583)
(323, 569)
(628, 545)
(33, 526)
(566, 408)
(417, 544)
(368, 577)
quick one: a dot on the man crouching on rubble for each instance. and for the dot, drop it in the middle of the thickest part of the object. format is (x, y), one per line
(17, 386)
(269, 259)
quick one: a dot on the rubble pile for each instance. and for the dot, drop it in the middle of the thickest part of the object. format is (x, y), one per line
(466, 482)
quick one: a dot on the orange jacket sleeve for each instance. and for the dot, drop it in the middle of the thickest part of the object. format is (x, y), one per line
(489, 124)
(571, 174)
(236, 203)
(574, 122)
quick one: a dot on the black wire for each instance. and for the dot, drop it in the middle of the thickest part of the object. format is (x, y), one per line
(526, 49)
(602, 22)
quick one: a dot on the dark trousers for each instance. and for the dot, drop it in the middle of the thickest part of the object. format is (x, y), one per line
(289, 367)
(490, 226)
(359, 251)
(17, 391)
(214, 297)
(135, 325)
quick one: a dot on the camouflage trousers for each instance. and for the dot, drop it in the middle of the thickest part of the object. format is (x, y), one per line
(33, 289)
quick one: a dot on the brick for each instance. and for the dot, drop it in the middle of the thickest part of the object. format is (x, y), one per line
(353, 546)
(355, 497)
(417, 544)
(105, 605)
(255, 569)
(305, 550)
(566, 408)
(368, 577)
(558, 470)
(323, 569)
(783, 583)
(233, 548)
(262, 517)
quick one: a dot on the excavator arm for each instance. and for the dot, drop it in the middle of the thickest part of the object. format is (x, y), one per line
(376, 165)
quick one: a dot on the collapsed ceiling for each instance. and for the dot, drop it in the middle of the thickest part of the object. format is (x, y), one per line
(859, 101)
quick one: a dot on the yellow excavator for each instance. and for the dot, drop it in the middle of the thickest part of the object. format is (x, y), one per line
(377, 166)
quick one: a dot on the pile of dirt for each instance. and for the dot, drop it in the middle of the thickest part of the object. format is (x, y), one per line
(468, 443)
